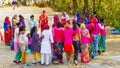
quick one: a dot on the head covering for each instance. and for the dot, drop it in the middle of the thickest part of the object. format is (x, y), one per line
(43, 11)
(82, 25)
(7, 20)
(101, 19)
(94, 20)
(46, 26)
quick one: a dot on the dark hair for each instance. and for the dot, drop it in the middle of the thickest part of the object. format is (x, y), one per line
(22, 28)
(18, 24)
(74, 23)
(58, 24)
(20, 16)
(33, 30)
(31, 16)
(101, 20)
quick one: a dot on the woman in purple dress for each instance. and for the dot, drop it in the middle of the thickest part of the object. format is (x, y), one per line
(35, 45)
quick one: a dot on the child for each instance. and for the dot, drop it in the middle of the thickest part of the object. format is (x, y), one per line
(46, 45)
(103, 34)
(35, 46)
(58, 35)
(13, 4)
(29, 40)
(17, 46)
(85, 43)
(76, 42)
(24, 42)
(68, 46)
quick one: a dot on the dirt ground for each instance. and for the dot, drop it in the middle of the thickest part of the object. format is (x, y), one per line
(109, 59)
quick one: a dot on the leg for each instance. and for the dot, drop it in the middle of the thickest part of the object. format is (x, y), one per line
(42, 58)
(95, 44)
(71, 55)
(18, 55)
(47, 59)
(67, 57)
(23, 57)
(76, 49)
(37, 56)
(33, 57)
(103, 43)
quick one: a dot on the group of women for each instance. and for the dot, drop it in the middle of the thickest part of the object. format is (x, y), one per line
(86, 37)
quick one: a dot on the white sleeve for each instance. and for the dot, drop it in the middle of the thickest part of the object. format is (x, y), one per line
(25, 39)
(67, 17)
(52, 20)
(101, 27)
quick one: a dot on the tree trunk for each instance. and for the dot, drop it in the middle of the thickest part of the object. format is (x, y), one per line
(85, 8)
(93, 5)
(74, 4)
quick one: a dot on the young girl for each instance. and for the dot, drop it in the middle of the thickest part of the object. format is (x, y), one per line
(29, 40)
(7, 31)
(46, 45)
(35, 45)
(17, 46)
(58, 35)
(24, 42)
(76, 42)
(103, 34)
(68, 46)
(85, 43)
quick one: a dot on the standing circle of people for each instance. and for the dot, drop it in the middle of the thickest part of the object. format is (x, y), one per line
(86, 37)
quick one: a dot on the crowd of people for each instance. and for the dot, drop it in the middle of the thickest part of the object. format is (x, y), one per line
(86, 37)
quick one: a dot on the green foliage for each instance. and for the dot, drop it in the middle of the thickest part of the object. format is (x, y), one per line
(108, 9)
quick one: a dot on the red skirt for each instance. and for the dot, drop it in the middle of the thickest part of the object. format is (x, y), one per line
(68, 48)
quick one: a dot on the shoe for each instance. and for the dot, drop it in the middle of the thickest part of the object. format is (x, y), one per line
(92, 57)
(22, 63)
(76, 63)
(62, 62)
(34, 63)
(15, 62)
(27, 65)
(38, 62)
(103, 51)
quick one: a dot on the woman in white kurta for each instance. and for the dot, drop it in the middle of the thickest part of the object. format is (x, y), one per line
(46, 45)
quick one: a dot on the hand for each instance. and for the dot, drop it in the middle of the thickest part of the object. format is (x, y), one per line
(39, 42)
(6, 31)
(52, 44)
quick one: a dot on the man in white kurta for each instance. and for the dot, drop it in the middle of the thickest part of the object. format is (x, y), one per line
(46, 46)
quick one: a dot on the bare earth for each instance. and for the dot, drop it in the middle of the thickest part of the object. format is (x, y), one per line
(109, 59)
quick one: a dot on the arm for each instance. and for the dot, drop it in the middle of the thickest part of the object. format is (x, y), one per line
(51, 38)
(5, 26)
(101, 26)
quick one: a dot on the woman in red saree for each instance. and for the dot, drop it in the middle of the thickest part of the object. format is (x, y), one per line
(7, 31)
(43, 19)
